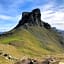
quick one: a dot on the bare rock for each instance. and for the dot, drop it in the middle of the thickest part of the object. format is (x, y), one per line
(32, 19)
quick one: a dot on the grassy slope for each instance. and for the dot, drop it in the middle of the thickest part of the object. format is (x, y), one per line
(7, 49)
(35, 42)
(4, 61)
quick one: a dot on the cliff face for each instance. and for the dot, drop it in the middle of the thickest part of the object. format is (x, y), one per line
(32, 19)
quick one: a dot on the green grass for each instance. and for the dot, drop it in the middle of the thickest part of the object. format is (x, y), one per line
(4, 61)
(35, 42)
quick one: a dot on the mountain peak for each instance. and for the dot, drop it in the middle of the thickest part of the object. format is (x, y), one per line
(32, 19)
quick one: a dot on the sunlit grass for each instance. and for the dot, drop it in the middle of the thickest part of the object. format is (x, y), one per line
(35, 42)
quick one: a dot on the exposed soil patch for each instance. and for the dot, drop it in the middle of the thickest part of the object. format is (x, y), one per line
(17, 43)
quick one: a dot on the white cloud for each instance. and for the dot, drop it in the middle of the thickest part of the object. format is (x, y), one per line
(5, 17)
(8, 22)
(52, 16)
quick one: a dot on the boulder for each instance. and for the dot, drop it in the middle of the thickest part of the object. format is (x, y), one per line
(25, 61)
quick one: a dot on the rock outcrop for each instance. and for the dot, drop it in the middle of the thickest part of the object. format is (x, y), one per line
(33, 61)
(32, 19)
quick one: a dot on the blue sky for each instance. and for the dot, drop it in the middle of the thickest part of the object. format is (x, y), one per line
(10, 12)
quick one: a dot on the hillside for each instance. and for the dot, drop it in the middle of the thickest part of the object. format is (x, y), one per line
(31, 38)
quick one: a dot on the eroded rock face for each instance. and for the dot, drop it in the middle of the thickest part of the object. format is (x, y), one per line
(25, 61)
(33, 61)
(32, 19)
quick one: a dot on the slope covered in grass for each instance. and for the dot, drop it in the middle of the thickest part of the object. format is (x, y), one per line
(4, 61)
(34, 41)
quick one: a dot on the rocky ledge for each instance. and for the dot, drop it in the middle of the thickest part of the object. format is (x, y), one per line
(32, 19)
(35, 61)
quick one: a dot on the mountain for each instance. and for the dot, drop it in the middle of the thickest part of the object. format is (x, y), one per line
(32, 37)
(1, 32)
(61, 33)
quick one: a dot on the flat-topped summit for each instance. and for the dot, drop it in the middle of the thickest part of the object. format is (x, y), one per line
(32, 19)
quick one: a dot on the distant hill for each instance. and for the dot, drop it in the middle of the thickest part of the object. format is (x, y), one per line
(1, 32)
(32, 37)
(61, 32)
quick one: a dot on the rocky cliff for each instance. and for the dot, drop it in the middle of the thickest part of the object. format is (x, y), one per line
(32, 19)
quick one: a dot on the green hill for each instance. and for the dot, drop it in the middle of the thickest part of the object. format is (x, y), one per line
(34, 41)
